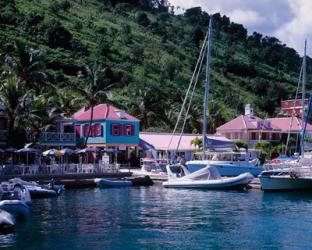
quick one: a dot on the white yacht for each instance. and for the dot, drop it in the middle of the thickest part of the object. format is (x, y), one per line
(228, 163)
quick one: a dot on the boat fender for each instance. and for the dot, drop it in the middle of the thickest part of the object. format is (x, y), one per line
(293, 175)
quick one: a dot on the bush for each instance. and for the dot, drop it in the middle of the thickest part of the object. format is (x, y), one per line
(143, 20)
(58, 36)
(241, 144)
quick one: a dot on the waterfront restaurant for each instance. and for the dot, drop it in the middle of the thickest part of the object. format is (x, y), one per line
(112, 128)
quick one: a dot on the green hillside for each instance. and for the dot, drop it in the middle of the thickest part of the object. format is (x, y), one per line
(149, 55)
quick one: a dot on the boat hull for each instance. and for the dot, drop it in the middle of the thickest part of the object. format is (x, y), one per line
(7, 221)
(280, 183)
(105, 183)
(15, 207)
(238, 182)
(227, 169)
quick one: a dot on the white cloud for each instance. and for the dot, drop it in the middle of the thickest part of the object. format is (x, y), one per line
(246, 16)
(295, 31)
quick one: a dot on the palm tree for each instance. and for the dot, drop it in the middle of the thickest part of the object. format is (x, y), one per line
(28, 65)
(40, 116)
(96, 87)
(14, 96)
(197, 142)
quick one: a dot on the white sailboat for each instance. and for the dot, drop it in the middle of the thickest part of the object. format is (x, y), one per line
(207, 177)
(292, 174)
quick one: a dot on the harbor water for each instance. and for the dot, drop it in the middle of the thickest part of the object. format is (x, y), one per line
(158, 218)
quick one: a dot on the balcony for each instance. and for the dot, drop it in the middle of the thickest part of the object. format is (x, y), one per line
(58, 138)
(3, 135)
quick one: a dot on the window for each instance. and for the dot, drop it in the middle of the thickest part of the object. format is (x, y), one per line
(3, 124)
(115, 129)
(127, 130)
(253, 136)
(98, 130)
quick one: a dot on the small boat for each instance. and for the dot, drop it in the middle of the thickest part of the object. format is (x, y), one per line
(40, 191)
(17, 208)
(103, 183)
(205, 178)
(15, 191)
(7, 221)
(291, 176)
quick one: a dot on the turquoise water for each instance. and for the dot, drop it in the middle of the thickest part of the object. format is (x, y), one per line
(158, 218)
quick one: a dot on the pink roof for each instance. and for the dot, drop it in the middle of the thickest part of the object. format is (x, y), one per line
(245, 122)
(161, 140)
(102, 112)
(284, 122)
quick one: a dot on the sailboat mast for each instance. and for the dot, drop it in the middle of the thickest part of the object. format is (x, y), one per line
(207, 80)
(304, 82)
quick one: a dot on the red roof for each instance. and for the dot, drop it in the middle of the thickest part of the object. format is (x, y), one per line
(284, 123)
(246, 122)
(103, 112)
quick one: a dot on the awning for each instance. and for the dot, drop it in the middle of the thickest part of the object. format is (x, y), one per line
(214, 143)
(145, 145)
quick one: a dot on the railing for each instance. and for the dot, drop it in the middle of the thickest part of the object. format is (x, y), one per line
(3, 135)
(58, 137)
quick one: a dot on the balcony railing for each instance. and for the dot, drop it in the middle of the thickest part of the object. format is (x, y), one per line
(3, 135)
(58, 137)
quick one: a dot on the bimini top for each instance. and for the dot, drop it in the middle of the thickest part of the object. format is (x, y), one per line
(103, 112)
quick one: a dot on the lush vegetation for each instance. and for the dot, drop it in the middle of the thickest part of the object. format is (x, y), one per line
(50, 51)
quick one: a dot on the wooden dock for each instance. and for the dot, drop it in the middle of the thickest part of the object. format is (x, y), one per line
(76, 180)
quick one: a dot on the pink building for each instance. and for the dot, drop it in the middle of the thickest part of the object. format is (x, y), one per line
(252, 129)
(292, 107)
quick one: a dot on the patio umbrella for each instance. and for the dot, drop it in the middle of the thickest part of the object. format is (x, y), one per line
(87, 150)
(10, 150)
(52, 152)
(29, 151)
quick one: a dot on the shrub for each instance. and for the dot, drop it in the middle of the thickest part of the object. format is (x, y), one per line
(143, 20)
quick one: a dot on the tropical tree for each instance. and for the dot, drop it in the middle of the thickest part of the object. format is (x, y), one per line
(40, 115)
(241, 144)
(266, 150)
(27, 64)
(97, 87)
(197, 142)
(13, 95)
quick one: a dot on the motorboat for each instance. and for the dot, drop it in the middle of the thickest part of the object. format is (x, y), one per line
(205, 178)
(7, 221)
(104, 183)
(40, 191)
(16, 191)
(228, 163)
(15, 201)
(287, 175)
(153, 165)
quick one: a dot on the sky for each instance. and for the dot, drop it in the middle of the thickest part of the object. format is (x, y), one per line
(287, 20)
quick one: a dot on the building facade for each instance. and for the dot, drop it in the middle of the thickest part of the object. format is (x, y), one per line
(250, 128)
(293, 107)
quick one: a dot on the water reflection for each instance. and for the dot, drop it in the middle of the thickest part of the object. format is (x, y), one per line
(165, 218)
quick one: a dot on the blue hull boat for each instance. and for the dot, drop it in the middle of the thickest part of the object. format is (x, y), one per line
(17, 208)
(104, 183)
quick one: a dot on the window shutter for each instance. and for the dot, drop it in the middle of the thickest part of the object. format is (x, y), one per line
(100, 130)
(77, 130)
(120, 129)
(132, 130)
(92, 132)
(124, 129)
